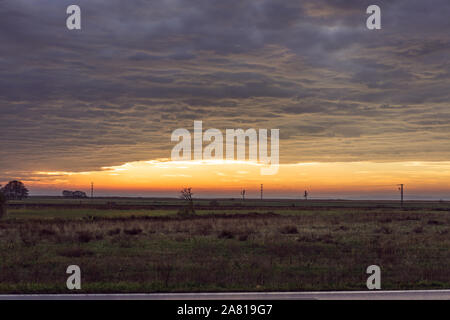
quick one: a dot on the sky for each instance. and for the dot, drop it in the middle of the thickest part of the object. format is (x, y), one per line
(359, 111)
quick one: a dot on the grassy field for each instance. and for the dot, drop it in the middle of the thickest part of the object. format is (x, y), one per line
(143, 245)
(232, 202)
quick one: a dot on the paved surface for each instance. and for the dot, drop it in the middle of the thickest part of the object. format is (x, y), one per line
(342, 295)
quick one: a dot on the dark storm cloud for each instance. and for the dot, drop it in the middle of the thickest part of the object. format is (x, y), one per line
(114, 91)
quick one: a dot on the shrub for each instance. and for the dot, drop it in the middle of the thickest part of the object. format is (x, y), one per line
(133, 231)
(341, 228)
(243, 237)
(289, 230)
(180, 239)
(114, 231)
(85, 236)
(47, 232)
(226, 234)
(204, 229)
(418, 230)
(384, 230)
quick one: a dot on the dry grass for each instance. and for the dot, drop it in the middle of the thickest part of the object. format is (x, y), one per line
(324, 250)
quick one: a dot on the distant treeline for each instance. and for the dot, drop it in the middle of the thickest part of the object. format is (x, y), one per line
(74, 194)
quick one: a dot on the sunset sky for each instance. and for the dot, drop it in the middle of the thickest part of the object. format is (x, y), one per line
(359, 111)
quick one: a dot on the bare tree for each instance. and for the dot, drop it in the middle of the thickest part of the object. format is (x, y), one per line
(186, 194)
(305, 195)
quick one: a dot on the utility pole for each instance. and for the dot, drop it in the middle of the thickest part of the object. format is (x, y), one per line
(401, 194)
(92, 190)
(261, 191)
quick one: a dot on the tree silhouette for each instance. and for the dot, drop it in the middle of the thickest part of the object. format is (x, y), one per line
(15, 190)
(186, 194)
(306, 195)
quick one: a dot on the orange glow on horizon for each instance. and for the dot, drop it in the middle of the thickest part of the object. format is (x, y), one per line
(162, 175)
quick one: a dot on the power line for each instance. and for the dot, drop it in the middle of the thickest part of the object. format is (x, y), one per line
(401, 194)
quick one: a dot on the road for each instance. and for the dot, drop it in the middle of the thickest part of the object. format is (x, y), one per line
(340, 295)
